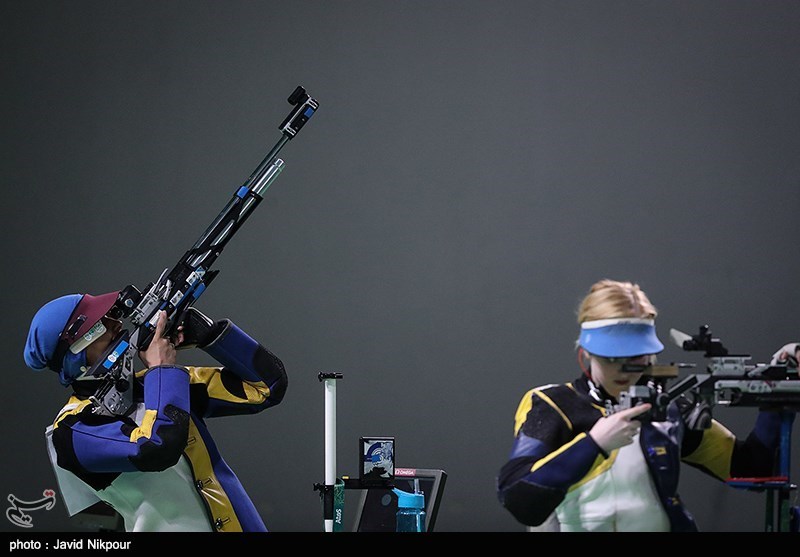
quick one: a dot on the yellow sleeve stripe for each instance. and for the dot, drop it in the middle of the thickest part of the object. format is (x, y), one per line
(715, 451)
(146, 429)
(547, 399)
(78, 407)
(600, 464)
(542, 461)
(526, 404)
(522, 411)
(211, 377)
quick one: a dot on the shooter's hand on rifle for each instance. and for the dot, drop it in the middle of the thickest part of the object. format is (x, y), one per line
(618, 429)
(161, 350)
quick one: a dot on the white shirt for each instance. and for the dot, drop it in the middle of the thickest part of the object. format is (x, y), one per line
(621, 498)
(148, 501)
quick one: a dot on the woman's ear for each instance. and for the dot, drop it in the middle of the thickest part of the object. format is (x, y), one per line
(583, 360)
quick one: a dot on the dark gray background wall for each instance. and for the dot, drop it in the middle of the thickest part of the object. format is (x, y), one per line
(473, 168)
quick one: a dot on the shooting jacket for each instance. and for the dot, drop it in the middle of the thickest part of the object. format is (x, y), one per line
(554, 459)
(158, 465)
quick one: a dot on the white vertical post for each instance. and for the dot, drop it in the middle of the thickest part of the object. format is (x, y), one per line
(330, 439)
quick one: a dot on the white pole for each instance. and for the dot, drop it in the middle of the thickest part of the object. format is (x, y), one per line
(330, 439)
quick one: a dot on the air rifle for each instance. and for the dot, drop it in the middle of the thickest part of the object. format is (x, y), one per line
(177, 290)
(729, 380)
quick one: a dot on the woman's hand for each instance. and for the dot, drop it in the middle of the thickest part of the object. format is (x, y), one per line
(161, 351)
(618, 429)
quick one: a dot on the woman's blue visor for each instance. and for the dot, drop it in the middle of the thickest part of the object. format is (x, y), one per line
(624, 337)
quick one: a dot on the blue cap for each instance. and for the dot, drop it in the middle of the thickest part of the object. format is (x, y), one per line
(43, 337)
(625, 337)
(406, 500)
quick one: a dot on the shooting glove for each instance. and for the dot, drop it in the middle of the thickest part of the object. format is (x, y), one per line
(695, 411)
(199, 330)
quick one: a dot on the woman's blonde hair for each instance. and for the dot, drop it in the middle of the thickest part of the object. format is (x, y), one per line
(608, 299)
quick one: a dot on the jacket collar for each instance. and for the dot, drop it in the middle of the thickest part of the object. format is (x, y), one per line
(597, 393)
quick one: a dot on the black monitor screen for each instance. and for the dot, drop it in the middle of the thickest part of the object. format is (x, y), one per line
(377, 509)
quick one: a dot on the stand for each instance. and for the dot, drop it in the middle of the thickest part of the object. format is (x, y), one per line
(332, 491)
(327, 489)
(779, 487)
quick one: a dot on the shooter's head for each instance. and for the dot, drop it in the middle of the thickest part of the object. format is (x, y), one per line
(69, 333)
(618, 334)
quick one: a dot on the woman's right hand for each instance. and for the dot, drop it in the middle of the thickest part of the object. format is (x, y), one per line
(161, 351)
(618, 429)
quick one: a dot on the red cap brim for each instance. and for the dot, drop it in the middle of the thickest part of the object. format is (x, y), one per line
(94, 308)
